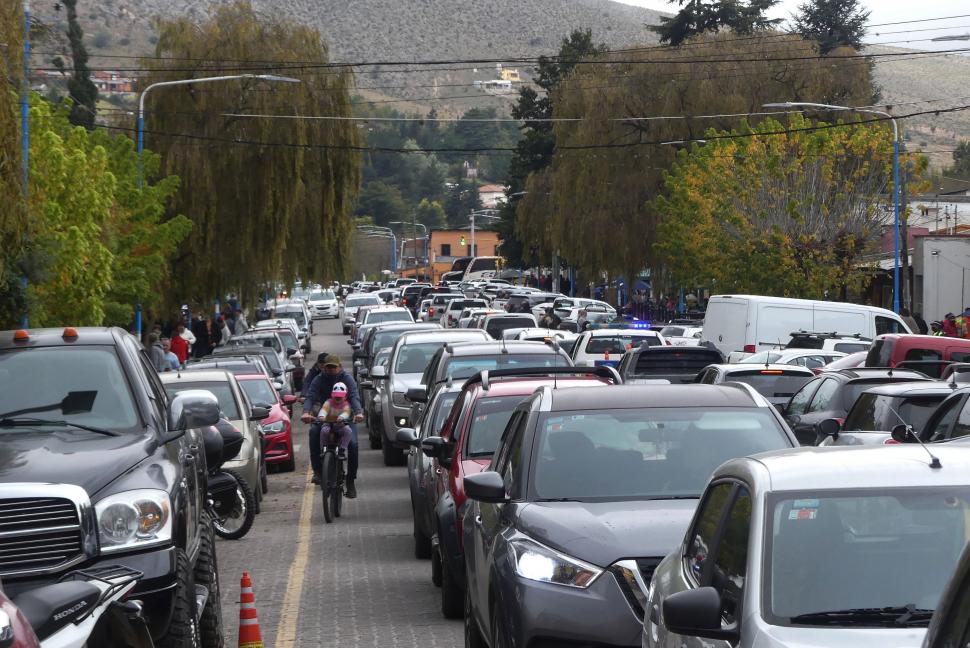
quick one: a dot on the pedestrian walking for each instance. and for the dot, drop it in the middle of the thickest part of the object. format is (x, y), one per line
(921, 323)
(156, 352)
(224, 332)
(241, 325)
(186, 335)
(179, 346)
(200, 329)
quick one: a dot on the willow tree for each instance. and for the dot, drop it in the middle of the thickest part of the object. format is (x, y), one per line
(634, 106)
(270, 199)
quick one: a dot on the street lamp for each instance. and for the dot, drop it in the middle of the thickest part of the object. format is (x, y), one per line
(159, 84)
(426, 238)
(896, 146)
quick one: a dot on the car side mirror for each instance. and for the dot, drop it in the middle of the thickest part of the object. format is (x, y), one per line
(781, 407)
(433, 447)
(903, 433)
(693, 612)
(194, 408)
(259, 413)
(417, 394)
(407, 436)
(290, 352)
(828, 428)
(366, 384)
(378, 372)
(486, 487)
(350, 342)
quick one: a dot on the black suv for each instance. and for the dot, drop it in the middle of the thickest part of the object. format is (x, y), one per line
(99, 467)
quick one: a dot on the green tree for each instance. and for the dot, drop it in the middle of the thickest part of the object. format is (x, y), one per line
(383, 202)
(82, 90)
(961, 160)
(701, 16)
(431, 213)
(832, 23)
(270, 199)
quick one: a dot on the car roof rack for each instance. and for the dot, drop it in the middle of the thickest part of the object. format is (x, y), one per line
(830, 335)
(485, 377)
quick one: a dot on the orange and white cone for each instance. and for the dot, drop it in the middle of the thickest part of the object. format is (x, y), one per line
(249, 634)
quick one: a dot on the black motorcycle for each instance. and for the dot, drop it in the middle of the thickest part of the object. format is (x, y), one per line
(230, 498)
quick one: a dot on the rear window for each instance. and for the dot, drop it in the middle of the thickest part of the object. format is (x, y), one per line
(222, 391)
(489, 419)
(880, 354)
(878, 413)
(673, 361)
(362, 300)
(468, 366)
(771, 384)
(497, 325)
(620, 343)
(389, 316)
(440, 300)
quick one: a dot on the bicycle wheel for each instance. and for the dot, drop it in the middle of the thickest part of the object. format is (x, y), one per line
(337, 492)
(328, 483)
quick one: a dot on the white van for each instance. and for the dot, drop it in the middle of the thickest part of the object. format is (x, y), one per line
(739, 325)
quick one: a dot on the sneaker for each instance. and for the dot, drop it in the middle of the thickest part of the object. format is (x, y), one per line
(351, 489)
(315, 479)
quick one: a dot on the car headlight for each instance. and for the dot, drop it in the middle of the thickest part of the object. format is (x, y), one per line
(134, 519)
(273, 428)
(538, 562)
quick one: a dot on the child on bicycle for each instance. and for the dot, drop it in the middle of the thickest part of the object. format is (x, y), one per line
(334, 416)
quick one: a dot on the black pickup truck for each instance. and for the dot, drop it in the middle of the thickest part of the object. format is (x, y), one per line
(98, 466)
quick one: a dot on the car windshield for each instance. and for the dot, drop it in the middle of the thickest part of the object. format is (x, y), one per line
(83, 385)
(887, 548)
(487, 424)
(221, 390)
(271, 341)
(389, 316)
(260, 392)
(293, 313)
(322, 295)
(645, 453)
(771, 383)
(764, 357)
(881, 413)
(468, 366)
(271, 359)
(354, 301)
(414, 358)
(618, 344)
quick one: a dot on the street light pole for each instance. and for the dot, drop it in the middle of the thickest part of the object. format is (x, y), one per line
(140, 125)
(896, 189)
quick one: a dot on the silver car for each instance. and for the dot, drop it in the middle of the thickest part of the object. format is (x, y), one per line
(409, 359)
(348, 310)
(844, 547)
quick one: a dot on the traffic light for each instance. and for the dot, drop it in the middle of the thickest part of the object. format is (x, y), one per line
(463, 241)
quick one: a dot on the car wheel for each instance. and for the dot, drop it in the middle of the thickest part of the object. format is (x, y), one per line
(500, 635)
(207, 574)
(435, 567)
(392, 456)
(452, 594)
(422, 543)
(375, 441)
(183, 627)
(473, 636)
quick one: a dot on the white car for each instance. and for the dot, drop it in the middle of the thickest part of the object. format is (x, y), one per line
(810, 358)
(423, 310)
(453, 309)
(607, 346)
(565, 307)
(470, 316)
(348, 311)
(682, 335)
(323, 304)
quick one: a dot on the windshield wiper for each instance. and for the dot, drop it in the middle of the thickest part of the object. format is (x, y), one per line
(28, 422)
(557, 499)
(904, 615)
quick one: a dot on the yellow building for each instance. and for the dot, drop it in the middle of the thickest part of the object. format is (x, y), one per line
(445, 247)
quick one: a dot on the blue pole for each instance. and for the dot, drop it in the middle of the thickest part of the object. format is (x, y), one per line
(25, 128)
(896, 190)
(138, 320)
(141, 145)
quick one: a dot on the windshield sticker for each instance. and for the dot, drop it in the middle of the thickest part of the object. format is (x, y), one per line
(805, 503)
(803, 514)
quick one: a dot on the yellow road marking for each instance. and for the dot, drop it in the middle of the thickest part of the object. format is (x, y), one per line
(290, 613)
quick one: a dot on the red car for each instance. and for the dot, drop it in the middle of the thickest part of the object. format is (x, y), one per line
(277, 431)
(469, 437)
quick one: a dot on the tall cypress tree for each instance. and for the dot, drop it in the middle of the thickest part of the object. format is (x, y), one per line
(82, 90)
(832, 23)
(700, 16)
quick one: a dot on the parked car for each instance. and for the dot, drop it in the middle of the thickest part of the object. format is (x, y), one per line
(348, 310)
(423, 309)
(739, 325)
(454, 308)
(373, 394)
(587, 492)
(101, 467)
(927, 353)
(851, 361)
(522, 301)
(380, 315)
(471, 318)
(495, 324)
(277, 428)
(777, 383)
(810, 358)
(655, 364)
(300, 312)
(815, 547)
(237, 408)
(379, 336)
(468, 438)
(411, 295)
(950, 625)
(323, 304)
(607, 346)
(439, 304)
(879, 409)
(283, 376)
(409, 359)
(564, 306)
(832, 394)
(682, 335)
(829, 342)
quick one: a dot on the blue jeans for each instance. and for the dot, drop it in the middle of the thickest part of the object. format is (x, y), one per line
(352, 450)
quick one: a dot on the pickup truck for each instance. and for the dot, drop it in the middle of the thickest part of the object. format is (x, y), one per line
(98, 466)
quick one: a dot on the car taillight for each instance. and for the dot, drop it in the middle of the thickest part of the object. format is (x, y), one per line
(891, 441)
(749, 348)
(431, 312)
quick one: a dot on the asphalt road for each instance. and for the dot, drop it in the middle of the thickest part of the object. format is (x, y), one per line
(351, 583)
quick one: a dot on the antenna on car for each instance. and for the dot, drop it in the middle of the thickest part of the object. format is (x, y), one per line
(934, 460)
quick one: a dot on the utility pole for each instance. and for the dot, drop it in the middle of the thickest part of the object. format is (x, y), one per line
(471, 250)
(904, 238)
(25, 132)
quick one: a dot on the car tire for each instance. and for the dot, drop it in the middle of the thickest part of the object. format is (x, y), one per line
(499, 634)
(435, 567)
(289, 465)
(249, 502)
(473, 636)
(207, 574)
(392, 456)
(183, 627)
(452, 594)
(422, 543)
(375, 441)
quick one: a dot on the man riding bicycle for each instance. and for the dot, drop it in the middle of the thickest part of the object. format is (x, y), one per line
(315, 396)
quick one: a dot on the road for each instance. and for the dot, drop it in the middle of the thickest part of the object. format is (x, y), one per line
(301, 566)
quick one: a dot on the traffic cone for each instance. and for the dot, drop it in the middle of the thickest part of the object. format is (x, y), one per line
(249, 634)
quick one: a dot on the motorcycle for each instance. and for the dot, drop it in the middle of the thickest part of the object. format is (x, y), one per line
(230, 498)
(83, 609)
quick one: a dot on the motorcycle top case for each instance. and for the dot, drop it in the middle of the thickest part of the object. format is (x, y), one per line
(232, 439)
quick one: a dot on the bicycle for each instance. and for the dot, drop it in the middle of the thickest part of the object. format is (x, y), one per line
(332, 475)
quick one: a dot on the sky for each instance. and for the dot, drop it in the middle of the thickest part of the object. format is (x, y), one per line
(884, 11)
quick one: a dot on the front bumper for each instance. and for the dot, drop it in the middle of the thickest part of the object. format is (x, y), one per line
(545, 615)
(394, 417)
(279, 447)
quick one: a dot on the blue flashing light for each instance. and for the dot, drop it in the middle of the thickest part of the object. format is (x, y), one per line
(640, 325)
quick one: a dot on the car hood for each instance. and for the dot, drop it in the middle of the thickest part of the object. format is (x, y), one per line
(604, 532)
(86, 459)
(815, 637)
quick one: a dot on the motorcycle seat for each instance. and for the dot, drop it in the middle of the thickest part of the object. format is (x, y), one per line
(50, 608)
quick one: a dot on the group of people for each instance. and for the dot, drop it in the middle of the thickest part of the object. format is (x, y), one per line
(171, 344)
(950, 326)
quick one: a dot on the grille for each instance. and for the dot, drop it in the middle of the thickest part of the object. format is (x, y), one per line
(38, 534)
(647, 566)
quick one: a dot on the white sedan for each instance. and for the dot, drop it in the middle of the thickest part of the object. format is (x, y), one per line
(607, 346)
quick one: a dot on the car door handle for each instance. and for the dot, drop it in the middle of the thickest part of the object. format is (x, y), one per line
(478, 520)
(193, 447)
